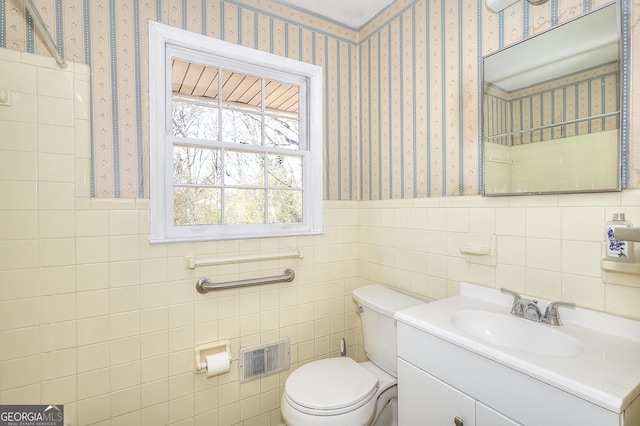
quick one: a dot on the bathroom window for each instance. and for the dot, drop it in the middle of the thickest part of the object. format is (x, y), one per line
(235, 140)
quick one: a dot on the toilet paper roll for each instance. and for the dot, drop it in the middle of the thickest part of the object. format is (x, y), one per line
(217, 364)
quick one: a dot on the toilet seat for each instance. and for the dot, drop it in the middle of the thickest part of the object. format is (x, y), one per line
(330, 387)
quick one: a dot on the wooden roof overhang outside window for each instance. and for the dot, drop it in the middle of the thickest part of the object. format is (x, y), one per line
(201, 82)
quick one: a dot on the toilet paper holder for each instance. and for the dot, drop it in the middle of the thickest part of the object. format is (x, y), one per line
(204, 350)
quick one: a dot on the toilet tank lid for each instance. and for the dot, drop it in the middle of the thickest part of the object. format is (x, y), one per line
(384, 300)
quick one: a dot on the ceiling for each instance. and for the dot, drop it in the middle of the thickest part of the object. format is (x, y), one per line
(352, 13)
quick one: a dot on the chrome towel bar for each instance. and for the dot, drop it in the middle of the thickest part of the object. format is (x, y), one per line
(204, 285)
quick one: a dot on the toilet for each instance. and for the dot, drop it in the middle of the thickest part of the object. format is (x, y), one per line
(341, 391)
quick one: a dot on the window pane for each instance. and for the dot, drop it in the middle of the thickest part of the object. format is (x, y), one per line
(194, 80)
(285, 170)
(281, 132)
(244, 206)
(199, 166)
(196, 206)
(285, 206)
(281, 97)
(191, 120)
(243, 168)
(243, 90)
(241, 127)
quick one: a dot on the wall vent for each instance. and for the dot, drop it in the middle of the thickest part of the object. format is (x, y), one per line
(264, 359)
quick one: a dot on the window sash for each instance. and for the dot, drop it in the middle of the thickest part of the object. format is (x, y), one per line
(221, 183)
(265, 73)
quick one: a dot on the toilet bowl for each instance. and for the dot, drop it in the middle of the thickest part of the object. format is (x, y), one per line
(340, 391)
(344, 392)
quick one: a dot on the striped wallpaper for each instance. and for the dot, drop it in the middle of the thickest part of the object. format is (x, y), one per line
(591, 93)
(401, 94)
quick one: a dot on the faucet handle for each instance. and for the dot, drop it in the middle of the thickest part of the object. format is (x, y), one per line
(517, 308)
(551, 315)
(516, 296)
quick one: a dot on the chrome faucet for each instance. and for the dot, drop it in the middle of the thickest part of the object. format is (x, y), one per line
(528, 309)
(531, 310)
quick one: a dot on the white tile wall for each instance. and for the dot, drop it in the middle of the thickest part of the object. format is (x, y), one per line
(586, 162)
(548, 246)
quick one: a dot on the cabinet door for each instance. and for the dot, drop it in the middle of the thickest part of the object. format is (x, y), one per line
(486, 416)
(425, 400)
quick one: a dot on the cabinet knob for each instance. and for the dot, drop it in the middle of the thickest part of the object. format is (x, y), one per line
(458, 421)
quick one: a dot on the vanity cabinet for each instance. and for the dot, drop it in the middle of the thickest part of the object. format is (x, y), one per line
(438, 381)
(485, 416)
(427, 400)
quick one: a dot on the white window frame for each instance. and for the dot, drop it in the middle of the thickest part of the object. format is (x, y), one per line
(163, 40)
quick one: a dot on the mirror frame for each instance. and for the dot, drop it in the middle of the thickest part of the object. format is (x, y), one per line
(623, 23)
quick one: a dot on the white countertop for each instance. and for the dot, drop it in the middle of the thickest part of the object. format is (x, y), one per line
(606, 372)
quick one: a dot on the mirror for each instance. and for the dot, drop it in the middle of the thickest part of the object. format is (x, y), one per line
(551, 110)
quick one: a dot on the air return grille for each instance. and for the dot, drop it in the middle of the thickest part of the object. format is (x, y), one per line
(265, 359)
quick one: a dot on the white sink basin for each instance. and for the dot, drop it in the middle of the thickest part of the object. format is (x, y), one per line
(516, 333)
(593, 355)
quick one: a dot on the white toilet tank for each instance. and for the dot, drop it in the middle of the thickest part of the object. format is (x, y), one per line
(378, 306)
